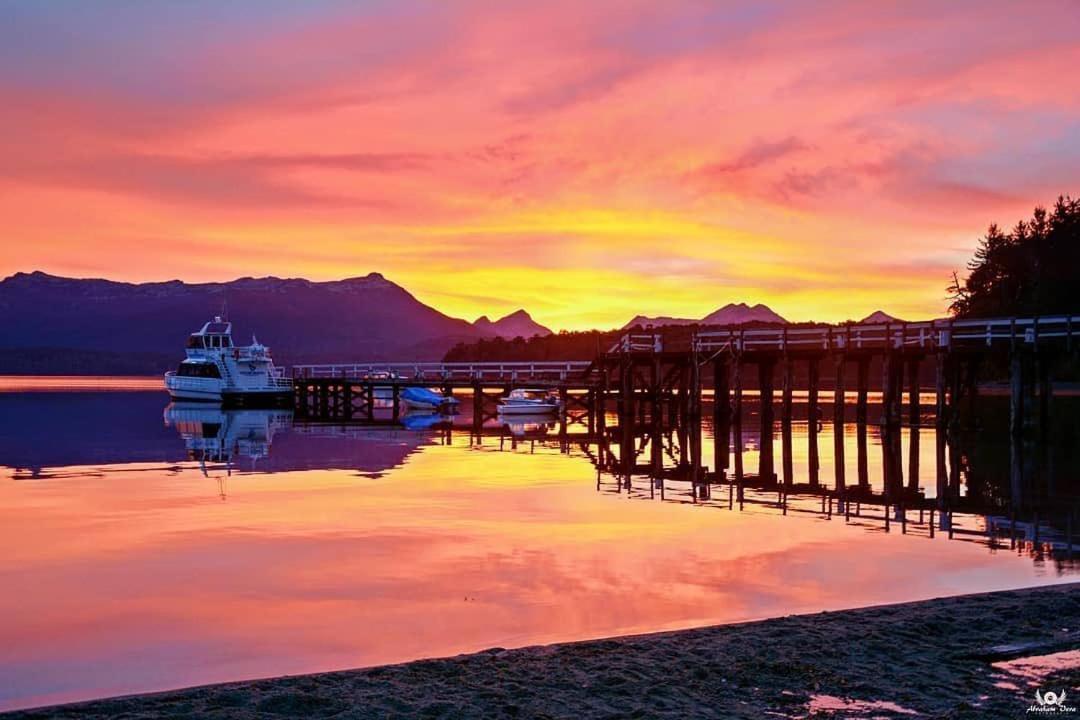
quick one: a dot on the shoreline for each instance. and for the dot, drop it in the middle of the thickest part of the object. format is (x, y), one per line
(932, 657)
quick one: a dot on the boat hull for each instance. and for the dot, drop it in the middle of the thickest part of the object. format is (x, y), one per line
(529, 410)
(193, 388)
(260, 399)
(210, 390)
(206, 396)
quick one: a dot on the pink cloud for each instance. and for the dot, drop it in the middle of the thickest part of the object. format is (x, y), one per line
(473, 130)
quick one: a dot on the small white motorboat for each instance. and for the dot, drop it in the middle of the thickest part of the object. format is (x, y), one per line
(525, 401)
(382, 392)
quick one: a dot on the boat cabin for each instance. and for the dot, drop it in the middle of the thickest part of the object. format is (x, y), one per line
(531, 394)
(214, 335)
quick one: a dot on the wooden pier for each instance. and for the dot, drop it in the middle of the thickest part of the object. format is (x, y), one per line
(655, 382)
(637, 411)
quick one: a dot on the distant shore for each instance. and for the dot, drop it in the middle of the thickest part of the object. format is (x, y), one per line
(29, 382)
(939, 658)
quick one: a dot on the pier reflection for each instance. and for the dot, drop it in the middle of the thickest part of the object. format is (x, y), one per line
(971, 481)
(967, 479)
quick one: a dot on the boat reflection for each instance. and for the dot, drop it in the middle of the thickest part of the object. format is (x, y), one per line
(538, 425)
(213, 434)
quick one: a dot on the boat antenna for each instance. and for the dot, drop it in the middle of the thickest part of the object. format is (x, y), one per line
(225, 306)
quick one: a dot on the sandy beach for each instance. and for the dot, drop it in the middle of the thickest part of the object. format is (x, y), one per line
(963, 657)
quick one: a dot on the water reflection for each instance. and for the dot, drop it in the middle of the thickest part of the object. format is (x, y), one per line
(214, 435)
(350, 545)
(977, 482)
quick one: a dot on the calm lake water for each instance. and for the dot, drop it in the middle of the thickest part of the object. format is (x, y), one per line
(150, 546)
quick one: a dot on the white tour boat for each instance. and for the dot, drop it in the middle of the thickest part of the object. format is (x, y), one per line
(217, 371)
(524, 401)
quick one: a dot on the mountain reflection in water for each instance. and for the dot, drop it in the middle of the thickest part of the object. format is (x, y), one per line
(342, 546)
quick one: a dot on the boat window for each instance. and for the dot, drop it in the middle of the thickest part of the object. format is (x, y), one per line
(194, 342)
(207, 370)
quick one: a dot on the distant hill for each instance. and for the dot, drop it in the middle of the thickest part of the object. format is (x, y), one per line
(516, 324)
(878, 317)
(55, 324)
(730, 314)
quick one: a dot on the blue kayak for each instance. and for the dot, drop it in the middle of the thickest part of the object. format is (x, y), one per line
(423, 398)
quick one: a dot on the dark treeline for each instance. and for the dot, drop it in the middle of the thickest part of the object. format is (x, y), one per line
(560, 346)
(584, 345)
(1031, 270)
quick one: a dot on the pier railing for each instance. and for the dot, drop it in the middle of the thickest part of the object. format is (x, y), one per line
(638, 342)
(931, 335)
(549, 371)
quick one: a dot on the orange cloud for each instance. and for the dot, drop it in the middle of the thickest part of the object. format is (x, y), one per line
(587, 162)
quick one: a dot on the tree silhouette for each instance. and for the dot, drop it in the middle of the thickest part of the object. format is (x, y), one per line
(1033, 270)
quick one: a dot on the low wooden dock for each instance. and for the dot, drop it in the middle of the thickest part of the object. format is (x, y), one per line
(349, 391)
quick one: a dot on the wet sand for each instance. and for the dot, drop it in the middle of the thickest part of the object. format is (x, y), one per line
(972, 656)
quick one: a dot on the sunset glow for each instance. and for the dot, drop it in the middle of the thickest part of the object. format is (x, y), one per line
(586, 161)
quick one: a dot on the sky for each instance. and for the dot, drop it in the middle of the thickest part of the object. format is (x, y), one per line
(587, 161)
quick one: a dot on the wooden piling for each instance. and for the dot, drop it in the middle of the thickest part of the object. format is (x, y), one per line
(655, 395)
(721, 416)
(861, 420)
(736, 411)
(766, 471)
(941, 466)
(1016, 393)
(478, 409)
(786, 449)
(813, 415)
(838, 423)
(914, 409)
(347, 400)
(914, 420)
(862, 389)
(941, 407)
(1045, 395)
(694, 398)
